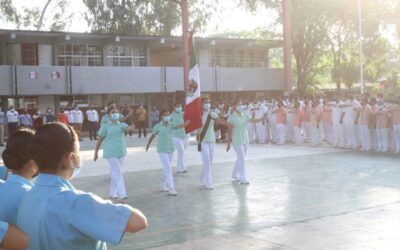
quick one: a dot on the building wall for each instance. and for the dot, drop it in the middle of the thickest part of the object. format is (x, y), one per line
(165, 58)
(46, 101)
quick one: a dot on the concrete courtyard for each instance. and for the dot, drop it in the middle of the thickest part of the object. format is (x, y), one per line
(298, 198)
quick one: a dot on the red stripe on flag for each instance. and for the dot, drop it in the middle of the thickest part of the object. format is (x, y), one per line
(193, 113)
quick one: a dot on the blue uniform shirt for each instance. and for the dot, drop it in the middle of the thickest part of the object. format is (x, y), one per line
(3, 229)
(11, 193)
(55, 215)
(3, 173)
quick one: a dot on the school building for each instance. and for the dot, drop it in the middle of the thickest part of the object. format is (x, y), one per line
(55, 69)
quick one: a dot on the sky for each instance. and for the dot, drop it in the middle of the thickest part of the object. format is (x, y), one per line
(229, 18)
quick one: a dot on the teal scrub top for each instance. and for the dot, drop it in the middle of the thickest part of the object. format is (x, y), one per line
(11, 193)
(3, 173)
(164, 142)
(106, 119)
(114, 144)
(177, 119)
(3, 229)
(55, 215)
(239, 133)
(209, 137)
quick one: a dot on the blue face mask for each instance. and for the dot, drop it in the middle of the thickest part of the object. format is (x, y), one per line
(178, 110)
(114, 116)
(207, 106)
(166, 118)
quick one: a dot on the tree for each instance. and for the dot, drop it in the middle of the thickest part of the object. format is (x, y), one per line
(146, 17)
(36, 18)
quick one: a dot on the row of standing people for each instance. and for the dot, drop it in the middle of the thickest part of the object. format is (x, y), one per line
(364, 123)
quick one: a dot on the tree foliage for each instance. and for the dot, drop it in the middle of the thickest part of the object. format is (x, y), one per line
(52, 16)
(144, 17)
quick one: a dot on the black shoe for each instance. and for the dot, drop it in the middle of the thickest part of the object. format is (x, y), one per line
(2, 145)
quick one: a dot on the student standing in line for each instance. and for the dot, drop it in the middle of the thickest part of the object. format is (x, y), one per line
(54, 214)
(315, 119)
(165, 149)
(25, 120)
(179, 137)
(154, 116)
(141, 115)
(382, 129)
(78, 121)
(37, 119)
(11, 237)
(62, 117)
(297, 114)
(22, 169)
(239, 137)
(12, 119)
(364, 121)
(93, 118)
(49, 116)
(395, 112)
(306, 121)
(281, 123)
(114, 150)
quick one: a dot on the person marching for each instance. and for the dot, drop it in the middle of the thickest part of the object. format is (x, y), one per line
(114, 150)
(165, 149)
(179, 137)
(22, 168)
(207, 140)
(56, 215)
(239, 137)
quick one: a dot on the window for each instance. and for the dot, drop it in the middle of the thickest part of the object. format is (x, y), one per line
(24, 102)
(29, 53)
(239, 58)
(79, 55)
(126, 56)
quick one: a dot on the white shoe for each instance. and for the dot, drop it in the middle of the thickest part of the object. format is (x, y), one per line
(245, 182)
(172, 193)
(210, 187)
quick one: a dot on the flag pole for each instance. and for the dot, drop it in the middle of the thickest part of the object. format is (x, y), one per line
(185, 37)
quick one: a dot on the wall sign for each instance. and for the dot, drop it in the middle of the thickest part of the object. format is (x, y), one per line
(33, 75)
(55, 75)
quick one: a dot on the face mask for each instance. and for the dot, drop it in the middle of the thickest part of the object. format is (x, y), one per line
(166, 118)
(49, 111)
(178, 110)
(77, 168)
(239, 108)
(114, 116)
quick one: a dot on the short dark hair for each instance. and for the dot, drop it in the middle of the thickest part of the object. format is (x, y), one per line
(52, 142)
(17, 152)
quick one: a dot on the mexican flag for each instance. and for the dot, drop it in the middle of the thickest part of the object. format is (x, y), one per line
(193, 100)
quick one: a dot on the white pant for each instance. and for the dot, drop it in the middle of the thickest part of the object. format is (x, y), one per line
(351, 135)
(281, 128)
(315, 136)
(307, 131)
(396, 132)
(251, 129)
(342, 136)
(180, 145)
(239, 171)
(366, 137)
(117, 187)
(168, 179)
(289, 128)
(267, 132)
(336, 136)
(207, 154)
(274, 131)
(297, 135)
(382, 139)
(260, 132)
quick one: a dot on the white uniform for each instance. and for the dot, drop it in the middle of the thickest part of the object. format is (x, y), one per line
(251, 127)
(260, 112)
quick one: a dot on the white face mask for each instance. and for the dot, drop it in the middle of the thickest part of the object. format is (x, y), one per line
(77, 167)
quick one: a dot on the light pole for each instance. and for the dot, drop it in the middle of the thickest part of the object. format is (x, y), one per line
(287, 44)
(360, 41)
